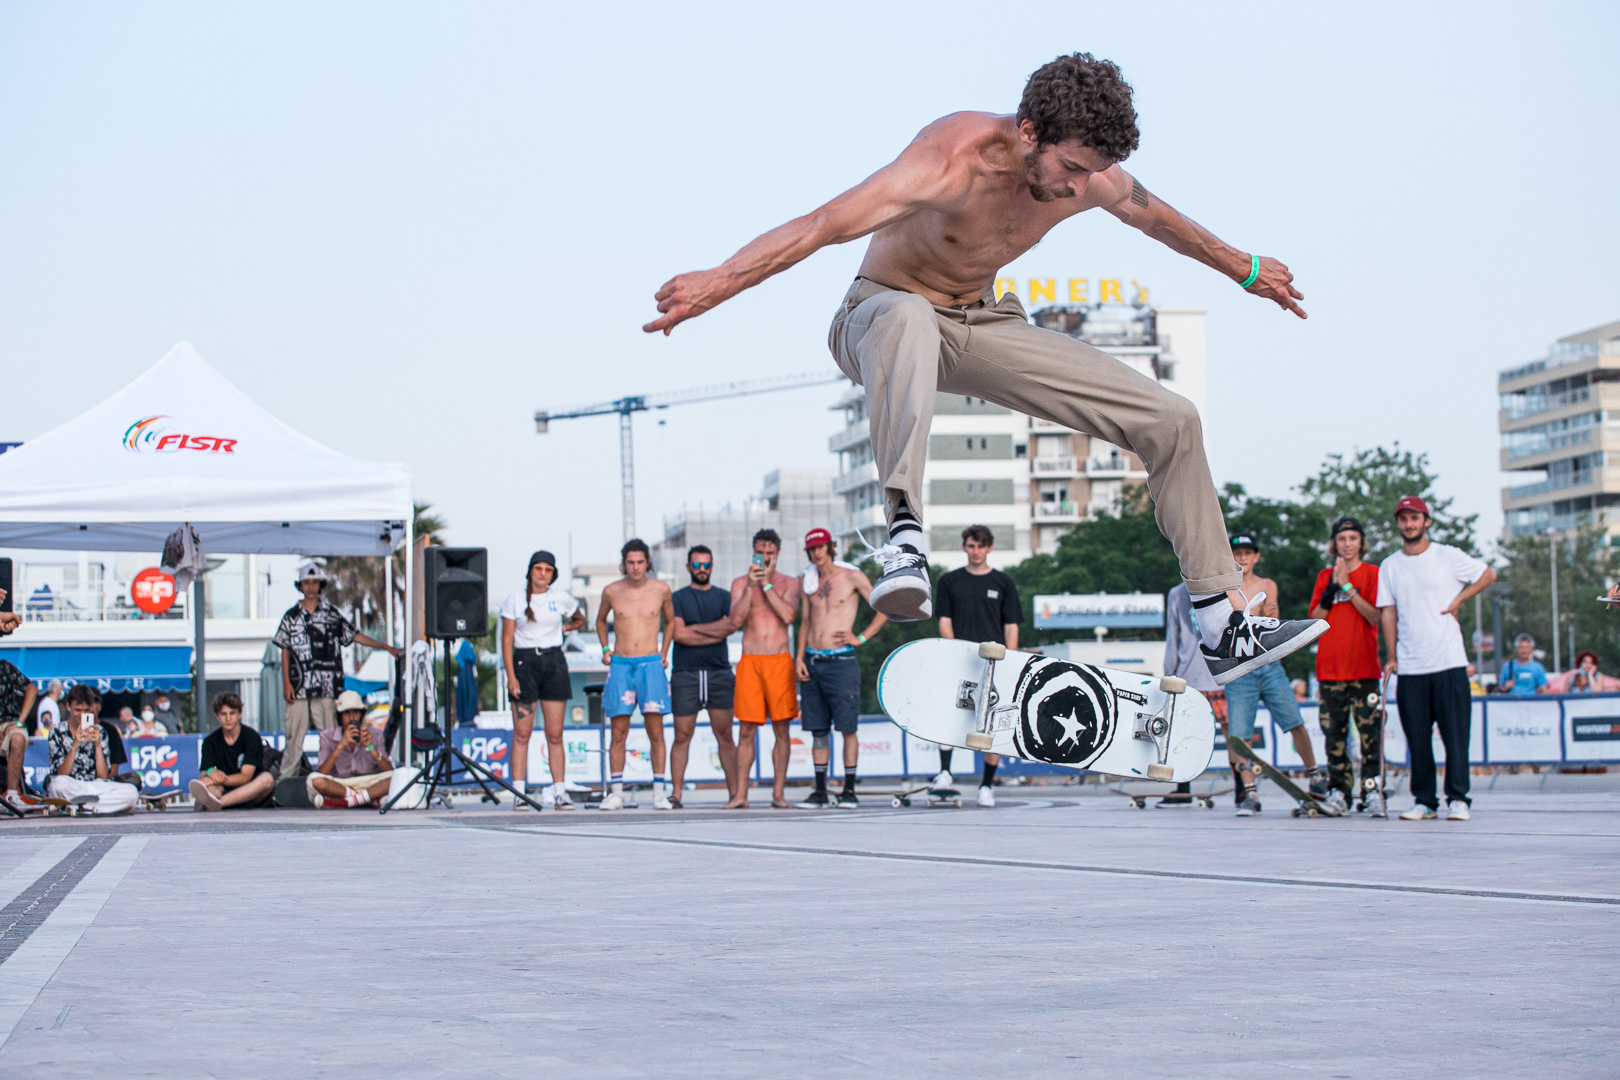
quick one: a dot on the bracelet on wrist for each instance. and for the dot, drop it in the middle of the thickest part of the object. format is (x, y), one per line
(766, 587)
(1254, 272)
(861, 638)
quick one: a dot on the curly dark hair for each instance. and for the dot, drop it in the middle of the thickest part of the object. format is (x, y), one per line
(1081, 97)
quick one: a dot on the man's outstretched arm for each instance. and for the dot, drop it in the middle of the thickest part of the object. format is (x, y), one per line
(912, 181)
(1141, 209)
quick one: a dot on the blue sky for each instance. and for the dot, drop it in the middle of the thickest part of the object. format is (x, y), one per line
(403, 227)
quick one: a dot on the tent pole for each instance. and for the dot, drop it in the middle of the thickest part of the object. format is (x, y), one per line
(199, 689)
(403, 752)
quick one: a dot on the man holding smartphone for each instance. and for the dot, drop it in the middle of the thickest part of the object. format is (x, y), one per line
(765, 603)
(81, 758)
(354, 769)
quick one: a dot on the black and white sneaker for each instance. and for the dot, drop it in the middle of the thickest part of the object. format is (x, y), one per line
(1253, 641)
(904, 592)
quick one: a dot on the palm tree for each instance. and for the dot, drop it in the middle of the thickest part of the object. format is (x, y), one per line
(359, 581)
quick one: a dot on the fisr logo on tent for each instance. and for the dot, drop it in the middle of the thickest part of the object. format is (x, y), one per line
(151, 433)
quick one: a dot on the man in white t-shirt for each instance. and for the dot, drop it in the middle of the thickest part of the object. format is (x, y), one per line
(1420, 590)
(50, 708)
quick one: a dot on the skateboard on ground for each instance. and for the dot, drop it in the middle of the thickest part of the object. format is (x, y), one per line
(1038, 708)
(1309, 805)
(934, 797)
(1139, 798)
(71, 807)
(159, 800)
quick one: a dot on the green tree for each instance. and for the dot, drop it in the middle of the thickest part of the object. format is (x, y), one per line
(1368, 484)
(1586, 566)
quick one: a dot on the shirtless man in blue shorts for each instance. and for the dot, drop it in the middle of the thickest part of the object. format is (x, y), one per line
(643, 612)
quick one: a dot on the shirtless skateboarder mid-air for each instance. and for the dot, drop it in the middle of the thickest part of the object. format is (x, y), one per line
(972, 192)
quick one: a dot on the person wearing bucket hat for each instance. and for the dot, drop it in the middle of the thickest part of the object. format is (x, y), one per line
(1421, 588)
(312, 635)
(534, 620)
(354, 768)
(1267, 683)
(1347, 668)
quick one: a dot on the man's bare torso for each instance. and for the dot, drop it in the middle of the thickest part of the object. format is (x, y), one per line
(764, 631)
(1254, 584)
(951, 253)
(637, 611)
(833, 607)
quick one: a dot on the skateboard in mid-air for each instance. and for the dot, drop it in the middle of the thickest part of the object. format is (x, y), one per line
(1309, 805)
(988, 698)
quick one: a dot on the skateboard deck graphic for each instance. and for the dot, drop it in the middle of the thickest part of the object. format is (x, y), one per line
(1048, 710)
(1309, 805)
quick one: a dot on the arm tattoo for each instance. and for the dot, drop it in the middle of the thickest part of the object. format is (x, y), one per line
(1139, 194)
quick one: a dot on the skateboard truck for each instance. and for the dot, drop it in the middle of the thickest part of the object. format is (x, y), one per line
(989, 652)
(1155, 728)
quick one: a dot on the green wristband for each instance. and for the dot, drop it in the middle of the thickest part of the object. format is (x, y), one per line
(1254, 272)
(861, 638)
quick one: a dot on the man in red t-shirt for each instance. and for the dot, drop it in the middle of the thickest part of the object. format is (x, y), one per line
(1347, 667)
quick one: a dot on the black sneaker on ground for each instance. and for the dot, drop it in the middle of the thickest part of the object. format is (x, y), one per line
(816, 798)
(1253, 641)
(903, 593)
(847, 799)
(1316, 782)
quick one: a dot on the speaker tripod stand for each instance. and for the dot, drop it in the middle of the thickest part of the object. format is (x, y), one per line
(440, 769)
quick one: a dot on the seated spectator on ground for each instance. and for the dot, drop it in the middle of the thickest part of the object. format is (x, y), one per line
(127, 722)
(148, 727)
(16, 699)
(1523, 675)
(1584, 678)
(233, 772)
(50, 709)
(354, 768)
(81, 756)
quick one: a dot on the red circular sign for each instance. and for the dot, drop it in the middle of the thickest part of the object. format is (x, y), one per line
(152, 591)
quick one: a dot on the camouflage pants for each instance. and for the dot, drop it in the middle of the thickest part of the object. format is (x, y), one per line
(1345, 703)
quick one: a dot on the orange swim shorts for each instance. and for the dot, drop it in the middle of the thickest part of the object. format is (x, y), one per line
(766, 689)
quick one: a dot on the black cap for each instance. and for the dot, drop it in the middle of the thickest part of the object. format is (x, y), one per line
(546, 557)
(1346, 524)
(1244, 540)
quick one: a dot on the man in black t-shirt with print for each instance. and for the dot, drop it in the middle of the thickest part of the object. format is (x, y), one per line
(977, 603)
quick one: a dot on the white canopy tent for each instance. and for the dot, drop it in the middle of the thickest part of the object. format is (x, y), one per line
(182, 444)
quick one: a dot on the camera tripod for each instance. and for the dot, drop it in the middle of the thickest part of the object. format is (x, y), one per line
(441, 767)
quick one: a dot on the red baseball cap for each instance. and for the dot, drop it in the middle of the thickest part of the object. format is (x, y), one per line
(1412, 502)
(816, 538)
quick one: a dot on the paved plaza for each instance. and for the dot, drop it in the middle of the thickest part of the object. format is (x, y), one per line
(1059, 934)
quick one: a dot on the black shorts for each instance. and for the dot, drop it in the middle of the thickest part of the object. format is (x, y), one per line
(832, 698)
(542, 675)
(692, 691)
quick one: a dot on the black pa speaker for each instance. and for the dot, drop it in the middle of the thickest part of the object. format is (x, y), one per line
(456, 583)
(5, 583)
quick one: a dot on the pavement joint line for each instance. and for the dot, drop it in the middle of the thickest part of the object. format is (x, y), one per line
(95, 867)
(29, 909)
(30, 869)
(1023, 864)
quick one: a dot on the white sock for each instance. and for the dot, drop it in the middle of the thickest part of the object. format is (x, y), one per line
(618, 787)
(12, 792)
(658, 786)
(906, 529)
(1211, 611)
(362, 797)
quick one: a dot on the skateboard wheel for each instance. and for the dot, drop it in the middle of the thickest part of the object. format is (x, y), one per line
(1294, 812)
(897, 801)
(1161, 772)
(978, 740)
(957, 802)
(990, 650)
(1170, 684)
(1138, 804)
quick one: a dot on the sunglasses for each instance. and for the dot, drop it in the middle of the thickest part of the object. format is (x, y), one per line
(702, 565)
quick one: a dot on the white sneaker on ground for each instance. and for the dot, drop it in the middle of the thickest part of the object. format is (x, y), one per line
(204, 796)
(944, 779)
(23, 803)
(1457, 810)
(613, 801)
(519, 804)
(661, 802)
(1419, 813)
(569, 785)
(560, 799)
(1374, 802)
(987, 797)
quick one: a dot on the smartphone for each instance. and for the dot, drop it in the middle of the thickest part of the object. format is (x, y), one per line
(87, 723)
(759, 560)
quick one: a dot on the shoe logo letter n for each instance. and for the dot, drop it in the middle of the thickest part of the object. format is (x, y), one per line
(1244, 645)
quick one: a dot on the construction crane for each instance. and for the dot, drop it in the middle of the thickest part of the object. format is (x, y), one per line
(627, 406)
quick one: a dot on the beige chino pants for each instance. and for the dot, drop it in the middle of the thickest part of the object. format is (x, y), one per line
(303, 714)
(903, 350)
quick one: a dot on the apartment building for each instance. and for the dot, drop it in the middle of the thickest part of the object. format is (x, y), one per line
(1559, 417)
(1026, 478)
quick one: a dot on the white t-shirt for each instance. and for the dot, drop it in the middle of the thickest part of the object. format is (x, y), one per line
(551, 609)
(1419, 588)
(49, 712)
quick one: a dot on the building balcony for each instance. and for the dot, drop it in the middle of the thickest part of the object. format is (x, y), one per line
(1537, 453)
(859, 476)
(852, 436)
(1521, 406)
(1056, 512)
(1559, 523)
(1108, 468)
(1053, 466)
